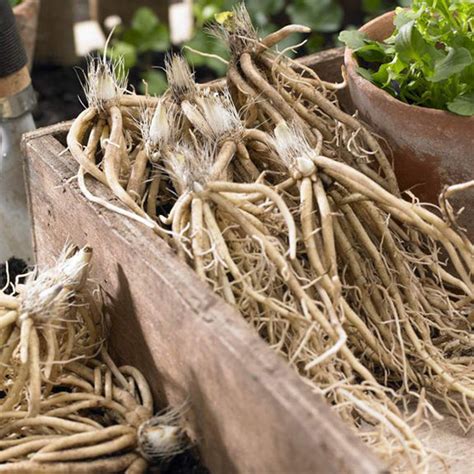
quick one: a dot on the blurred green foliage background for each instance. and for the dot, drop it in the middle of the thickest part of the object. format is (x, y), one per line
(145, 41)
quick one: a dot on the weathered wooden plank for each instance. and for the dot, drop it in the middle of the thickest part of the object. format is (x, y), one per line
(447, 437)
(326, 63)
(248, 411)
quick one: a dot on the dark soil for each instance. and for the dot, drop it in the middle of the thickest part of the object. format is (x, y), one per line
(8, 276)
(185, 463)
(59, 93)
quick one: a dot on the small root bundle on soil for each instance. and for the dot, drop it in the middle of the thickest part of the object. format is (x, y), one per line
(289, 209)
(66, 406)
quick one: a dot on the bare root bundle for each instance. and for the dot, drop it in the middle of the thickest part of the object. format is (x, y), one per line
(67, 407)
(289, 209)
(46, 327)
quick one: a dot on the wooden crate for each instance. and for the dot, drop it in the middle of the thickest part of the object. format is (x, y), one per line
(249, 412)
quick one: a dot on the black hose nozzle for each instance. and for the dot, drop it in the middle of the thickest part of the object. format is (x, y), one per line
(12, 54)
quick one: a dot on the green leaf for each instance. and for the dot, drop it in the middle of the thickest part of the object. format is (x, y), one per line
(324, 16)
(372, 53)
(223, 18)
(365, 73)
(133, 37)
(125, 50)
(261, 19)
(208, 44)
(156, 40)
(205, 10)
(462, 104)
(455, 61)
(390, 72)
(429, 59)
(353, 39)
(315, 42)
(14, 3)
(382, 76)
(402, 17)
(269, 7)
(396, 67)
(144, 20)
(155, 81)
(372, 6)
(147, 35)
(409, 43)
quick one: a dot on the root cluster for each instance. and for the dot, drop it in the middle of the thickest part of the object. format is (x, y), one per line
(66, 407)
(288, 208)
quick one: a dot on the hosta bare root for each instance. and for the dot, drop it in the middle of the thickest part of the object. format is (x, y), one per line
(66, 406)
(288, 207)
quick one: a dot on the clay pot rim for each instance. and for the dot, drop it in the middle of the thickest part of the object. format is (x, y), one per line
(351, 63)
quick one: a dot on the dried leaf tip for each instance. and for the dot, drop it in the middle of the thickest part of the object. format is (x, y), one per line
(220, 114)
(189, 166)
(180, 78)
(47, 292)
(236, 29)
(293, 148)
(159, 127)
(106, 81)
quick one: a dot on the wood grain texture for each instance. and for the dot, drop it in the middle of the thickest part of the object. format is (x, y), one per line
(249, 412)
(448, 438)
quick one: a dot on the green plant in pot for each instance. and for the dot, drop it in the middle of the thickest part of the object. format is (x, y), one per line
(411, 76)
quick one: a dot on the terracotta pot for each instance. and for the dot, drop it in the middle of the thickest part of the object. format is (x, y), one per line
(431, 148)
(26, 15)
